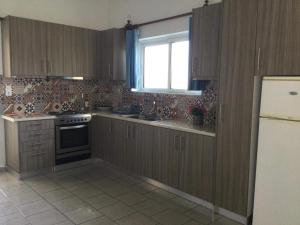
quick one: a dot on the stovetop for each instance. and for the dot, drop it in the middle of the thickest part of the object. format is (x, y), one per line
(71, 117)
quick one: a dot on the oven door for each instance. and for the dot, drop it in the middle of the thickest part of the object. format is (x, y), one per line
(72, 138)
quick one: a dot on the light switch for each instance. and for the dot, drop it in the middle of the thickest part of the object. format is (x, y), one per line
(8, 90)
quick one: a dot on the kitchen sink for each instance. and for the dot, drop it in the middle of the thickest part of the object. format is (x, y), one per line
(146, 118)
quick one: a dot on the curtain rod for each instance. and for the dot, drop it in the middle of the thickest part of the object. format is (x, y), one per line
(162, 20)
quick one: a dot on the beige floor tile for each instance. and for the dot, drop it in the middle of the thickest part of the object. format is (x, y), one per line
(24, 198)
(131, 198)
(38, 180)
(100, 221)
(193, 222)
(200, 214)
(104, 183)
(7, 208)
(50, 217)
(180, 204)
(150, 207)
(86, 191)
(116, 190)
(136, 219)
(13, 190)
(144, 188)
(34, 208)
(224, 221)
(117, 211)
(160, 195)
(57, 195)
(130, 180)
(171, 217)
(69, 204)
(69, 183)
(46, 187)
(83, 214)
(14, 219)
(65, 223)
(101, 201)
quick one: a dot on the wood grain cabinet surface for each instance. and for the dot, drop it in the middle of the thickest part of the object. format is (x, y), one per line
(278, 38)
(30, 146)
(34, 48)
(236, 103)
(111, 55)
(178, 159)
(206, 35)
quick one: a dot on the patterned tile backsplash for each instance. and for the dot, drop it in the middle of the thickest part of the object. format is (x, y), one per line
(36, 94)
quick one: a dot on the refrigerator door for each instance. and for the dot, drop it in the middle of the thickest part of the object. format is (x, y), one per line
(281, 99)
(277, 188)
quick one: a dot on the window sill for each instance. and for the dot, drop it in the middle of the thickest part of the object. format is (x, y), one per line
(172, 92)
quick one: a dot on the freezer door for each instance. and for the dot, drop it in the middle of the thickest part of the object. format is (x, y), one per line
(281, 98)
(277, 188)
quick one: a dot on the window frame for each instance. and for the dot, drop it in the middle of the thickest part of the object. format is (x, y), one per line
(158, 40)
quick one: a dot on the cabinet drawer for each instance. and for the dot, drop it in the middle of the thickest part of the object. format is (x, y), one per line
(36, 160)
(36, 136)
(37, 146)
(36, 125)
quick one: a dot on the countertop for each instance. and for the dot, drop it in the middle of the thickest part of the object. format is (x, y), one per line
(18, 118)
(171, 124)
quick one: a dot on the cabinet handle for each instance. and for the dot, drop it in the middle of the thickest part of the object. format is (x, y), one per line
(194, 67)
(109, 70)
(182, 143)
(221, 110)
(258, 59)
(49, 66)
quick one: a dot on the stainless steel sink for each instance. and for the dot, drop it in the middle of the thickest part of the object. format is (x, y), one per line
(146, 118)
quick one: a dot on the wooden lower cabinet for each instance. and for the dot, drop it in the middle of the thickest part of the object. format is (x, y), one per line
(29, 146)
(166, 157)
(178, 159)
(196, 172)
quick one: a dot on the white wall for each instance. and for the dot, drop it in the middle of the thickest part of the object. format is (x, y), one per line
(147, 10)
(83, 13)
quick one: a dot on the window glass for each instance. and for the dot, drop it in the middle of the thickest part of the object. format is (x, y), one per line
(180, 65)
(156, 66)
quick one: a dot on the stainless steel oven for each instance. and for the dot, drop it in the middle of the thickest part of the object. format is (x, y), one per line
(72, 138)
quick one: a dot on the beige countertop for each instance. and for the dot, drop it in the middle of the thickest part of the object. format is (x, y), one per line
(171, 124)
(23, 118)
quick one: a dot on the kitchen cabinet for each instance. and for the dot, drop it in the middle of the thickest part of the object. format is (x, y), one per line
(30, 146)
(196, 172)
(278, 38)
(179, 159)
(206, 33)
(166, 157)
(24, 47)
(236, 88)
(34, 48)
(111, 54)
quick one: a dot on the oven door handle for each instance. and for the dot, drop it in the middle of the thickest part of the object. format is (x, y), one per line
(73, 127)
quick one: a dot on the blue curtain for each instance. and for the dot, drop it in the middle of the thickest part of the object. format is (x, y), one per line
(194, 85)
(132, 64)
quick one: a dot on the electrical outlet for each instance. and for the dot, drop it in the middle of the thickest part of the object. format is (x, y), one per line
(8, 90)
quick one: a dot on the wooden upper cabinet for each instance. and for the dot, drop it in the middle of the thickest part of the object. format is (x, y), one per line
(56, 62)
(34, 48)
(111, 55)
(24, 47)
(278, 39)
(206, 32)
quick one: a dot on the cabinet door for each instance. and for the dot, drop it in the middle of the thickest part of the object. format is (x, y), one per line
(131, 143)
(106, 45)
(278, 43)
(147, 140)
(206, 32)
(56, 62)
(24, 47)
(196, 175)
(166, 157)
(90, 54)
(236, 100)
(118, 63)
(118, 142)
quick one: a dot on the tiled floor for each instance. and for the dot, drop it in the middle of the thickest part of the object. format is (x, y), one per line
(94, 195)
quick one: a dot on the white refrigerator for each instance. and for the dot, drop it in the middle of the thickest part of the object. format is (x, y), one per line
(277, 185)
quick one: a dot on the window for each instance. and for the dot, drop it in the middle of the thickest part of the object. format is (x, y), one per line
(165, 62)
